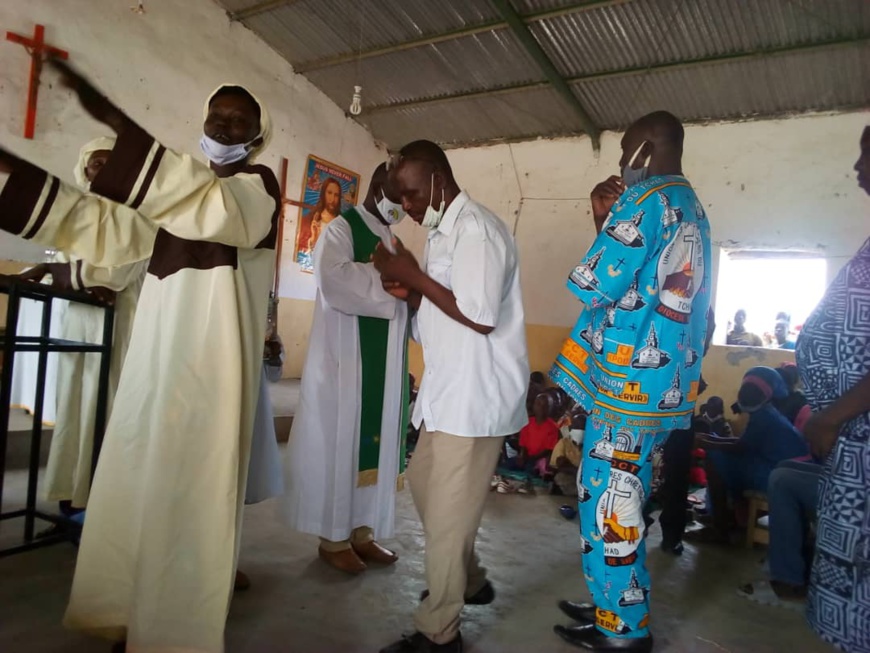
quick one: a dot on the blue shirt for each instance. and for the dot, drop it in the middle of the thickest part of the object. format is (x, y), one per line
(770, 438)
(634, 356)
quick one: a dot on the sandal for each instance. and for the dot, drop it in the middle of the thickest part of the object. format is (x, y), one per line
(762, 592)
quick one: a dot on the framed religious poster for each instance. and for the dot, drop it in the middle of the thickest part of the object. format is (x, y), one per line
(327, 190)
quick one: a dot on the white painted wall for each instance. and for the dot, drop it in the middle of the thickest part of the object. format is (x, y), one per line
(160, 67)
(771, 184)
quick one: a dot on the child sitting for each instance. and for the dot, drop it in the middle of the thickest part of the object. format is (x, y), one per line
(735, 465)
(711, 418)
(535, 445)
(538, 437)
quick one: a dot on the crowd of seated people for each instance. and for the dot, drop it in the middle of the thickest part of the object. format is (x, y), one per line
(743, 461)
(772, 457)
(736, 465)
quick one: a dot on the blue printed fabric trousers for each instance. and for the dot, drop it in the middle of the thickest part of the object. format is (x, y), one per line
(614, 483)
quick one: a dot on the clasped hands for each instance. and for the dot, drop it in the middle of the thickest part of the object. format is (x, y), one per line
(399, 270)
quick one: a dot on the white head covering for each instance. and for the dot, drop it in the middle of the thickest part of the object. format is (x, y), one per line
(265, 121)
(101, 143)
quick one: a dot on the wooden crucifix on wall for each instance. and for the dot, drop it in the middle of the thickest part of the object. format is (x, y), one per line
(38, 49)
(284, 202)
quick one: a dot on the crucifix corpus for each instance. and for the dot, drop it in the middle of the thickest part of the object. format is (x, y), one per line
(38, 49)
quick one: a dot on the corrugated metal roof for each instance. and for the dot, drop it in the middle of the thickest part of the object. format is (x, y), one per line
(309, 30)
(812, 81)
(489, 60)
(639, 34)
(526, 114)
(582, 39)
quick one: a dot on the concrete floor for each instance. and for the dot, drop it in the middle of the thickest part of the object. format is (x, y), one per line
(298, 605)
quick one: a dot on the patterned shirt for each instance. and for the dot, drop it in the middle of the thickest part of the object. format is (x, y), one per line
(633, 359)
(833, 355)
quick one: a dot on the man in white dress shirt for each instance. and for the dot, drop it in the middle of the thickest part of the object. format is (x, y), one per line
(469, 320)
(344, 459)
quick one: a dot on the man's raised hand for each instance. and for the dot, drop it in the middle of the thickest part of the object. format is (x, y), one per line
(94, 102)
(604, 195)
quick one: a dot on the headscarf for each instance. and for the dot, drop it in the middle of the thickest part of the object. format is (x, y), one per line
(760, 385)
(265, 121)
(101, 143)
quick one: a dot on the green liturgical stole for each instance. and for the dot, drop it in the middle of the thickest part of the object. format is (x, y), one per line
(373, 338)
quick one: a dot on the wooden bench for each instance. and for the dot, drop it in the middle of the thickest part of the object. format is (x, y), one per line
(756, 534)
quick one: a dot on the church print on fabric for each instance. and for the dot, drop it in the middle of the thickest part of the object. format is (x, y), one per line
(327, 191)
(633, 359)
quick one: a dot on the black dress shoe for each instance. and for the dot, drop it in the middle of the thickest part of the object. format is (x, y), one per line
(590, 638)
(578, 611)
(419, 643)
(484, 596)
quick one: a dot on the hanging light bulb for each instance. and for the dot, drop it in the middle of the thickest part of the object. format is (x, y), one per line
(355, 105)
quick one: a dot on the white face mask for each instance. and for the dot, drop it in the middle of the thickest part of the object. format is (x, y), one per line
(630, 176)
(221, 154)
(432, 217)
(391, 212)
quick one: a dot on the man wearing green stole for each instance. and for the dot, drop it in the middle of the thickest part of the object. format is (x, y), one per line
(345, 458)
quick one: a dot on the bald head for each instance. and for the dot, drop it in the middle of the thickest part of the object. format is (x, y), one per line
(655, 139)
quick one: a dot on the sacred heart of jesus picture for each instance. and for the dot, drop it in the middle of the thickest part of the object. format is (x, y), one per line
(327, 191)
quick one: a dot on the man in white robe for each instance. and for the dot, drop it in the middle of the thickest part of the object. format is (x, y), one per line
(160, 542)
(345, 454)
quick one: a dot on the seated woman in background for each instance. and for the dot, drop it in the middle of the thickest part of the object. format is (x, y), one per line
(735, 465)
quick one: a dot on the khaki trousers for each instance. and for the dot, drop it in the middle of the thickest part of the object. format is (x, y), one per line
(359, 535)
(449, 477)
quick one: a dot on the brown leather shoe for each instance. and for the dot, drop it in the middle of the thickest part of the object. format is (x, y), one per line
(373, 552)
(346, 561)
(242, 582)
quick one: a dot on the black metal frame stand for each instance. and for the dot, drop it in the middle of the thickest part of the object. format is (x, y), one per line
(44, 345)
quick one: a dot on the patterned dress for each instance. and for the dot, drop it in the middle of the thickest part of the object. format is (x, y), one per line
(833, 355)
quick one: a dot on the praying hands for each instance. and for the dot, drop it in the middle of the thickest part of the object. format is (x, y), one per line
(399, 272)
